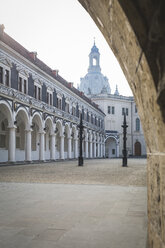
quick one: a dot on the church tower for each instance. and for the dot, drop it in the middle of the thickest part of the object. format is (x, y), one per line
(94, 82)
(94, 60)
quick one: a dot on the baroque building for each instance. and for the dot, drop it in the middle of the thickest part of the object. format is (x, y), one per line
(96, 86)
(40, 111)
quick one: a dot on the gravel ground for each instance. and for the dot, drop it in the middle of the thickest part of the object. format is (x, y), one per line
(99, 171)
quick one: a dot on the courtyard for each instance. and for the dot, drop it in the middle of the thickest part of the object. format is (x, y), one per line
(62, 205)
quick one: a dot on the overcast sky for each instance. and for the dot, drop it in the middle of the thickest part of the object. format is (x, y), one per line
(62, 33)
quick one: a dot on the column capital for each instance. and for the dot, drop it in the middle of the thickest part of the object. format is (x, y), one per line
(10, 127)
(29, 130)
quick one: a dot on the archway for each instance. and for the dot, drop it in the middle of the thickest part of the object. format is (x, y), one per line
(48, 137)
(135, 32)
(111, 147)
(137, 148)
(22, 124)
(6, 125)
(36, 142)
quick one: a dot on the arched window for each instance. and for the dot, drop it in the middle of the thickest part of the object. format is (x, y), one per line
(137, 124)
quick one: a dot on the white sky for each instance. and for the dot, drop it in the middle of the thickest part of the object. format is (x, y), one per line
(62, 33)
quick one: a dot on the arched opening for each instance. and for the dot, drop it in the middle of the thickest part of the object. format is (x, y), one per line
(36, 141)
(5, 122)
(137, 148)
(135, 32)
(111, 147)
(22, 124)
(58, 146)
(48, 132)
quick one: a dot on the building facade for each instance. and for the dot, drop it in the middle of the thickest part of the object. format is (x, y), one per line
(40, 111)
(95, 86)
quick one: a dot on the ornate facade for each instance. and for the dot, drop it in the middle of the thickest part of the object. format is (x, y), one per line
(39, 110)
(114, 106)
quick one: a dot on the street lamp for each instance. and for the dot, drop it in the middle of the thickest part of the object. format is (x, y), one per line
(81, 127)
(124, 126)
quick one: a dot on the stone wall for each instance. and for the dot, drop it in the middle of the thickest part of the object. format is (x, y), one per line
(135, 32)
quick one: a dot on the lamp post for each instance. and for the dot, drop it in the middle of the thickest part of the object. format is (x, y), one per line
(124, 126)
(80, 159)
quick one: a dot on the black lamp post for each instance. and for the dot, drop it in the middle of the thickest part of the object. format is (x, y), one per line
(80, 159)
(124, 126)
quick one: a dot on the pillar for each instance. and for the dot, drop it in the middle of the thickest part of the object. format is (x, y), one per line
(90, 155)
(86, 148)
(62, 147)
(28, 147)
(117, 150)
(98, 150)
(94, 154)
(69, 148)
(12, 145)
(42, 150)
(76, 148)
(52, 148)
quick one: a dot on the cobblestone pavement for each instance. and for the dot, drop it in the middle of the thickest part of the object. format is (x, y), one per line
(99, 171)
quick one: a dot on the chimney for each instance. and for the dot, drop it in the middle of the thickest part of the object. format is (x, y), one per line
(81, 93)
(33, 55)
(70, 84)
(2, 27)
(55, 72)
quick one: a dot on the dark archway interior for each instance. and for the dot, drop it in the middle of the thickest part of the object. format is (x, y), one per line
(135, 31)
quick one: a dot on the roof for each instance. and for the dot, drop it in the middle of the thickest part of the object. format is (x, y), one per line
(40, 64)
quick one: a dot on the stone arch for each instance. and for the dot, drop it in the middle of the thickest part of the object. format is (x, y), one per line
(135, 32)
(59, 137)
(5, 109)
(37, 129)
(22, 124)
(48, 128)
(23, 115)
(6, 124)
(111, 147)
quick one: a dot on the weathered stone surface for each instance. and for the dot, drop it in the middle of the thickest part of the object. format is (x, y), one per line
(135, 31)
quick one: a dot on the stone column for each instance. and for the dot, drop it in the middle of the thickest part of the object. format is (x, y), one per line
(76, 148)
(94, 149)
(62, 147)
(52, 148)
(98, 149)
(69, 148)
(86, 148)
(12, 144)
(28, 147)
(90, 155)
(42, 150)
(117, 150)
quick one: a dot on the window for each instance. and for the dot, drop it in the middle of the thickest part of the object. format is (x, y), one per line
(135, 109)
(37, 91)
(49, 98)
(113, 151)
(124, 110)
(22, 84)
(5, 75)
(59, 103)
(73, 111)
(67, 107)
(113, 110)
(137, 125)
(109, 110)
